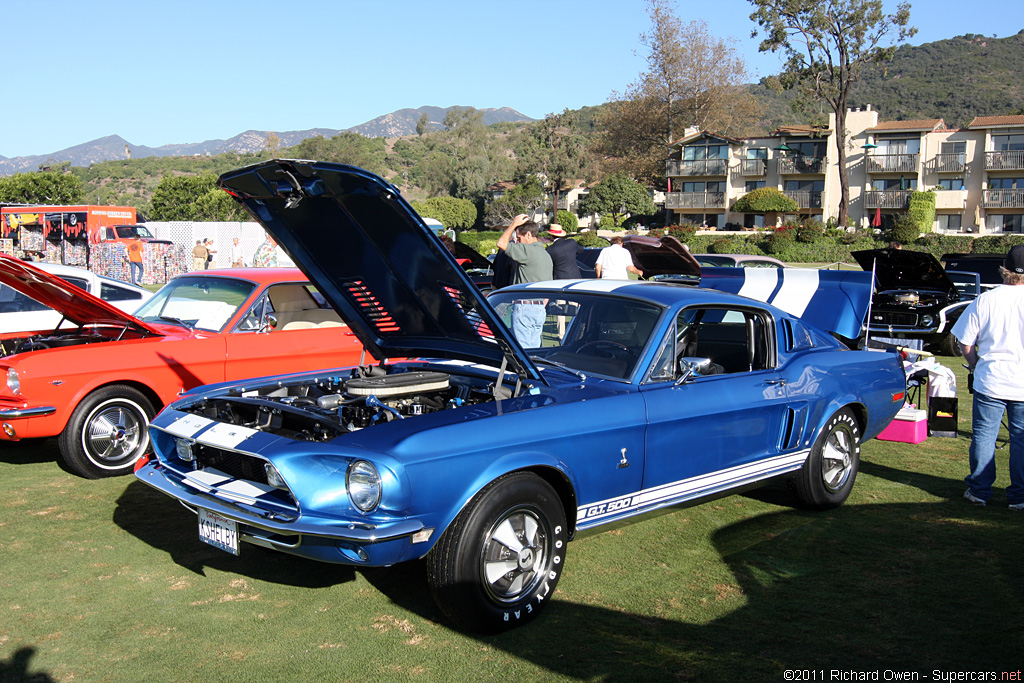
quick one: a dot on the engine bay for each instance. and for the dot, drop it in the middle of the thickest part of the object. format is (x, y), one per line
(323, 408)
(38, 342)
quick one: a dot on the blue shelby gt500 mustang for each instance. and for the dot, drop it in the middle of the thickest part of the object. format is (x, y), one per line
(487, 457)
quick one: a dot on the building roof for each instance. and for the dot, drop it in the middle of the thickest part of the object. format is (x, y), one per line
(701, 134)
(916, 125)
(803, 131)
(994, 121)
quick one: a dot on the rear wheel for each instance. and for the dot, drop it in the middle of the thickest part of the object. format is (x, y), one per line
(949, 346)
(827, 476)
(107, 432)
(499, 562)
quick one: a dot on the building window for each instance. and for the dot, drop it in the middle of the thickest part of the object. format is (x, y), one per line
(753, 220)
(883, 184)
(805, 185)
(752, 185)
(898, 145)
(1006, 183)
(949, 221)
(1004, 143)
(757, 153)
(807, 149)
(699, 152)
(953, 148)
(951, 183)
(1010, 222)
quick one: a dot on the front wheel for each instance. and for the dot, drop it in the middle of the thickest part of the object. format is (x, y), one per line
(107, 432)
(827, 476)
(499, 562)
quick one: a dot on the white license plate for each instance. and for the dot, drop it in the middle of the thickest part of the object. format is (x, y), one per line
(218, 531)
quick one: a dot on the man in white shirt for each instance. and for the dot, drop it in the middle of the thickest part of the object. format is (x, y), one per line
(615, 263)
(991, 336)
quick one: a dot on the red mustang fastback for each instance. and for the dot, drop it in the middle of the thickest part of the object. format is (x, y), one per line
(96, 383)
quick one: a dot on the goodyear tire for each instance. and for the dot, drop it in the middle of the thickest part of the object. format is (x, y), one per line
(498, 563)
(107, 432)
(827, 477)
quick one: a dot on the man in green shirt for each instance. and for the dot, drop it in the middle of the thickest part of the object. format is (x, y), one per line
(530, 263)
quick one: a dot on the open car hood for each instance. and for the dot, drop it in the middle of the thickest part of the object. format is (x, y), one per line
(75, 304)
(832, 300)
(472, 257)
(665, 256)
(376, 262)
(904, 269)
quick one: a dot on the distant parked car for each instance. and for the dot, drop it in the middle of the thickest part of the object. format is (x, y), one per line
(915, 301)
(738, 261)
(20, 313)
(986, 266)
(97, 383)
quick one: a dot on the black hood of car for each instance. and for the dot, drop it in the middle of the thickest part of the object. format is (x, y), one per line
(376, 262)
(665, 256)
(905, 269)
(473, 258)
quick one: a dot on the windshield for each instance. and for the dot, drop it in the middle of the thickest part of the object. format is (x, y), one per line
(589, 333)
(206, 303)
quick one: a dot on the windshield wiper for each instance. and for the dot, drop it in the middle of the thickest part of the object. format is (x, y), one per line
(563, 366)
(178, 321)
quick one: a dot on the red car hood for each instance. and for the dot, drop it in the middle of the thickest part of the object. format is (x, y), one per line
(77, 305)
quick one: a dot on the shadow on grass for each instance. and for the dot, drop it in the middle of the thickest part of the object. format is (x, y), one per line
(16, 670)
(162, 523)
(913, 587)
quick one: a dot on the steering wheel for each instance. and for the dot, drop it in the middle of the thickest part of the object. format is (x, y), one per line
(611, 347)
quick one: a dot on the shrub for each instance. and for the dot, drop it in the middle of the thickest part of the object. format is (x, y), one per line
(681, 232)
(921, 210)
(905, 230)
(726, 245)
(567, 220)
(765, 200)
(810, 231)
(591, 239)
(781, 239)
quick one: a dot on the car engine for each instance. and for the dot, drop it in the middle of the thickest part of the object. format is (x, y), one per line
(324, 408)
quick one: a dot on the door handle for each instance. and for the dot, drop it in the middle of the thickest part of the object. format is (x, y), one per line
(780, 382)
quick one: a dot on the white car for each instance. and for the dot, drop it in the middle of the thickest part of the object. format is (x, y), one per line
(19, 313)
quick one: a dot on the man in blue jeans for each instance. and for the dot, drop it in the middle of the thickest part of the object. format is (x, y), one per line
(530, 263)
(991, 336)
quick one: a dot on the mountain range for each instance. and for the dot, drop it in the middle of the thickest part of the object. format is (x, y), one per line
(397, 123)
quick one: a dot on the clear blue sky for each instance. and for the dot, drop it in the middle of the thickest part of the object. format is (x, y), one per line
(185, 71)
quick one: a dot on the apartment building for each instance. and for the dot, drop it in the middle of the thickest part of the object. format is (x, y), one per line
(977, 173)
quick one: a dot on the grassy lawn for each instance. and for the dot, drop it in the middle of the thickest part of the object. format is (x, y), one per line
(107, 581)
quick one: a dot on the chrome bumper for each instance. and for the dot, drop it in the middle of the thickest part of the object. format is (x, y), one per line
(16, 413)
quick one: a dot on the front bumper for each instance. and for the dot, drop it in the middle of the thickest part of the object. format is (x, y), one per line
(340, 541)
(20, 413)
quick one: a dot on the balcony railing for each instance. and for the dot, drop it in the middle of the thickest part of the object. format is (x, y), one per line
(892, 163)
(887, 199)
(948, 163)
(805, 199)
(1008, 160)
(696, 167)
(801, 164)
(695, 200)
(1004, 199)
(754, 166)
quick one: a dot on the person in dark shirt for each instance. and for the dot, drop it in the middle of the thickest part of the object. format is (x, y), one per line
(563, 252)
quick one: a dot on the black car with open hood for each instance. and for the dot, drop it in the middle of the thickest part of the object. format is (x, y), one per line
(376, 262)
(915, 303)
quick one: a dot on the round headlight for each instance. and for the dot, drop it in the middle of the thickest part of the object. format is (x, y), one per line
(927, 320)
(13, 381)
(363, 483)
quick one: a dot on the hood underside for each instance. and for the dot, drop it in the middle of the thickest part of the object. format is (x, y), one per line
(665, 256)
(376, 262)
(905, 269)
(75, 304)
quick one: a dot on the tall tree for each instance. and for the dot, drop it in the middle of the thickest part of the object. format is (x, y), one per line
(42, 187)
(693, 78)
(618, 195)
(827, 44)
(194, 198)
(556, 149)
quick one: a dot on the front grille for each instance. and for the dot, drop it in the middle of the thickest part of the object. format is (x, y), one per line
(231, 463)
(900, 318)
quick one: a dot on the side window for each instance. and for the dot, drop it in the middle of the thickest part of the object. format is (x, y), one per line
(79, 282)
(721, 340)
(115, 293)
(256, 315)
